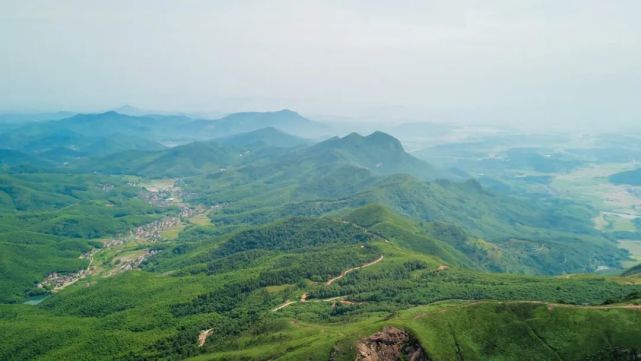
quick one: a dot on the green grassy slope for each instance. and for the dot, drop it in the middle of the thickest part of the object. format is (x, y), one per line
(233, 287)
(300, 253)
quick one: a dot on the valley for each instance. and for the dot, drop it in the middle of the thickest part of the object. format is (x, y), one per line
(128, 251)
(619, 206)
(263, 245)
(320, 180)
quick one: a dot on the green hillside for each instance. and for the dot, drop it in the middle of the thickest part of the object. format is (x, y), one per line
(504, 233)
(184, 160)
(634, 271)
(378, 152)
(49, 220)
(237, 287)
(263, 246)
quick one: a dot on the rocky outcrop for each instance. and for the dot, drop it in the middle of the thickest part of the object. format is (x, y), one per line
(391, 344)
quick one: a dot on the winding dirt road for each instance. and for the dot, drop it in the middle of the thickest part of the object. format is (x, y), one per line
(303, 297)
(346, 272)
(283, 305)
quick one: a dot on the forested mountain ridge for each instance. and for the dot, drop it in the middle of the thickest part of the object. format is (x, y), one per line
(249, 245)
(158, 128)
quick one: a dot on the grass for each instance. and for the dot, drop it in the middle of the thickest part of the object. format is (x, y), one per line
(519, 331)
(134, 313)
(200, 219)
(296, 340)
(173, 232)
(470, 330)
(157, 185)
(230, 276)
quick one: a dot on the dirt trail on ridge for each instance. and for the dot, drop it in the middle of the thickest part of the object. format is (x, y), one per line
(303, 297)
(346, 272)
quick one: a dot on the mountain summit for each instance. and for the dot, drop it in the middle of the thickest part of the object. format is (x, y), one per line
(378, 152)
(285, 120)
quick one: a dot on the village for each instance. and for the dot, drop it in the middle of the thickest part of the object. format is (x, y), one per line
(125, 258)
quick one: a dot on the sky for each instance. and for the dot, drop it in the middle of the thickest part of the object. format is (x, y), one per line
(501, 62)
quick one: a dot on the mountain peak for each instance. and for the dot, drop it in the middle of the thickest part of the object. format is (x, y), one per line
(287, 111)
(378, 152)
(110, 113)
(352, 136)
(382, 138)
(93, 116)
(131, 110)
(285, 120)
(377, 139)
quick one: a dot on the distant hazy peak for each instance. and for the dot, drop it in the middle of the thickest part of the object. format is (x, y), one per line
(98, 116)
(282, 114)
(132, 110)
(377, 138)
(381, 137)
(111, 113)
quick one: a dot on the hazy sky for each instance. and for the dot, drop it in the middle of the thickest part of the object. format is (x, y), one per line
(472, 61)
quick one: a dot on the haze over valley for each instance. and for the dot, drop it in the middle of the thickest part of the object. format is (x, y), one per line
(320, 181)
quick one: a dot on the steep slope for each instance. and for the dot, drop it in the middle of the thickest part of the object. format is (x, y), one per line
(337, 166)
(412, 234)
(378, 152)
(524, 331)
(264, 293)
(390, 344)
(549, 237)
(634, 271)
(499, 232)
(264, 154)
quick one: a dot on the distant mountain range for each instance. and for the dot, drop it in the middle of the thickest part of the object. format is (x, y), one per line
(141, 235)
(92, 135)
(263, 152)
(169, 129)
(17, 118)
